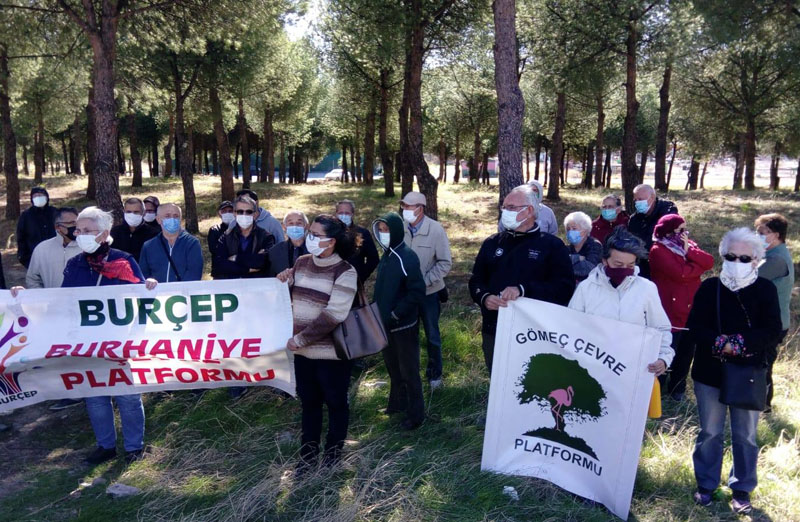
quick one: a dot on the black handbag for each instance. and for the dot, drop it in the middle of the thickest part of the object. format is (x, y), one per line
(743, 386)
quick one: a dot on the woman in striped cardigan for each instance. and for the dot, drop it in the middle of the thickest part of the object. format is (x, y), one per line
(323, 286)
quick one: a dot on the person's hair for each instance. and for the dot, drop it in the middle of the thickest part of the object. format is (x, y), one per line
(776, 223)
(742, 235)
(104, 220)
(348, 240)
(247, 192)
(347, 202)
(647, 188)
(65, 210)
(247, 200)
(154, 200)
(539, 189)
(135, 200)
(301, 214)
(623, 241)
(530, 197)
(158, 210)
(614, 197)
(581, 219)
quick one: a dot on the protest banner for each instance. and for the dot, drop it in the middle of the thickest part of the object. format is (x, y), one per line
(116, 340)
(568, 400)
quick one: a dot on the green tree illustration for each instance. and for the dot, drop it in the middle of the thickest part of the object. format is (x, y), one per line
(564, 387)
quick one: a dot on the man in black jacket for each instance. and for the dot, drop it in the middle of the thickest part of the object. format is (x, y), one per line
(365, 260)
(227, 217)
(131, 235)
(649, 209)
(35, 224)
(519, 262)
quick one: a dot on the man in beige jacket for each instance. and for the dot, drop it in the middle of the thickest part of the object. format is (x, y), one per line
(428, 240)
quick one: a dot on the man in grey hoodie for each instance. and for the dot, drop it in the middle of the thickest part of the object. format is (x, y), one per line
(264, 219)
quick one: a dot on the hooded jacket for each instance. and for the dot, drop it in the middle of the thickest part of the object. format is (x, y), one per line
(399, 286)
(267, 221)
(634, 301)
(34, 226)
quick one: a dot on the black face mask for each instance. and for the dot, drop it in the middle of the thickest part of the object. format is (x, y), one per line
(71, 233)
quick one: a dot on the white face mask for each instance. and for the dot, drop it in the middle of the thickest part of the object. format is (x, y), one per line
(312, 245)
(88, 243)
(737, 270)
(509, 219)
(228, 218)
(149, 216)
(39, 201)
(133, 220)
(244, 221)
(409, 216)
(385, 238)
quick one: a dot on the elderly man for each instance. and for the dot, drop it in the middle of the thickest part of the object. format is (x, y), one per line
(35, 224)
(174, 254)
(264, 219)
(131, 235)
(151, 204)
(649, 209)
(284, 254)
(546, 217)
(366, 258)
(242, 249)
(428, 240)
(611, 216)
(49, 258)
(520, 262)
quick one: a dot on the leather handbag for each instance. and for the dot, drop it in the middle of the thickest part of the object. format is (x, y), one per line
(744, 386)
(362, 333)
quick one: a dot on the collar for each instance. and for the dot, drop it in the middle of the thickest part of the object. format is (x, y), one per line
(415, 229)
(533, 230)
(326, 261)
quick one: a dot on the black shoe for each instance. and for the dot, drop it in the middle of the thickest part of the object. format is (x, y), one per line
(410, 425)
(100, 455)
(331, 458)
(63, 404)
(133, 456)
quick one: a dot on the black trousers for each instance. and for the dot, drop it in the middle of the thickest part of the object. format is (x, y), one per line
(487, 344)
(402, 363)
(322, 381)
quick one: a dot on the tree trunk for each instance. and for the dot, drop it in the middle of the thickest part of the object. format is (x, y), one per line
(236, 159)
(168, 146)
(474, 175)
(587, 174)
(558, 146)
(599, 136)
(694, 171)
(184, 152)
(357, 150)
(564, 174)
(38, 148)
(485, 168)
(64, 153)
(457, 166)
(630, 174)
(738, 171)
(205, 158)
(154, 154)
(223, 146)
(774, 177)
(538, 153)
(527, 164)
(245, 146)
(643, 166)
(91, 157)
(297, 165)
(9, 141)
(136, 157)
(214, 157)
(750, 155)
(510, 103)
(387, 162)
(797, 177)
(345, 173)
(282, 161)
(369, 143)
(671, 162)
(120, 158)
(703, 175)
(442, 160)
(25, 159)
(546, 163)
(663, 126)
(607, 168)
(75, 139)
(267, 147)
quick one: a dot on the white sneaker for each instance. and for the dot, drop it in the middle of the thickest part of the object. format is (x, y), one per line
(435, 384)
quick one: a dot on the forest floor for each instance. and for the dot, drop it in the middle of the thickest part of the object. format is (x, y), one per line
(212, 459)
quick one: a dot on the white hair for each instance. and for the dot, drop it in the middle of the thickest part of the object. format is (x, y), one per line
(647, 188)
(539, 188)
(581, 219)
(104, 220)
(301, 214)
(530, 197)
(742, 235)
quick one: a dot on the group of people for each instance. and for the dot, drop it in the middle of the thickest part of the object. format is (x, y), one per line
(641, 268)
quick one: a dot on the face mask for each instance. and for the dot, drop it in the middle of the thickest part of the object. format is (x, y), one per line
(347, 219)
(764, 240)
(149, 217)
(312, 245)
(171, 225)
(244, 221)
(295, 232)
(618, 275)
(71, 233)
(642, 206)
(133, 220)
(574, 236)
(228, 218)
(609, 214)
(39, 201)
(409, 216)
(87, 243)
(737, 270)
(509, 219)
(385, 238)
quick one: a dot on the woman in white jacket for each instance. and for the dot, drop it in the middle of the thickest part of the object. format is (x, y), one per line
(614, 289)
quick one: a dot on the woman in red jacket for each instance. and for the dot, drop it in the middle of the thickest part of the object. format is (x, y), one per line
(676, 264)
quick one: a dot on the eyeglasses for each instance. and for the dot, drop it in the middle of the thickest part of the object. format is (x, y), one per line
(734, 257)
(314, 237)
(245, 212)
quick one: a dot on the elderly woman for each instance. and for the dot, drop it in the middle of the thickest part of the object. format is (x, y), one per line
(323, 286)
(611, 216)
(734, 318)
(585, 251)
(676, 264)
(284, 254)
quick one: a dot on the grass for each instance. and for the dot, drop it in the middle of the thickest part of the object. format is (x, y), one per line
(211, 459)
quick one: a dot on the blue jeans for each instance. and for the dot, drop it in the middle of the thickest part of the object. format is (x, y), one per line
(131, 412)
(429, 312)
(708, 449)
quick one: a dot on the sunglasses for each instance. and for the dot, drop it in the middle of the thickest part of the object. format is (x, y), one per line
(245, 212)
(741, 259)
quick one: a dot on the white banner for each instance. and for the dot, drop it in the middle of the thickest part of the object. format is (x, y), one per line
(568, 400)
(115, 340)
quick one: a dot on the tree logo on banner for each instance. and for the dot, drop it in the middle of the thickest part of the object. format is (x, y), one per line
(11, 343)
(566, 390)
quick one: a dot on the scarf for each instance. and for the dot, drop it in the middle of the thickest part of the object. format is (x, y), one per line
(733, 283)
(117, 269)
(674, 243)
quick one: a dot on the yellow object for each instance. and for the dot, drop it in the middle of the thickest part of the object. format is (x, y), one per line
(654, 411)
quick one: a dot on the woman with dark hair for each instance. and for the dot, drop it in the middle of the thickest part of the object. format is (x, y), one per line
(615, 290)
(323, 286)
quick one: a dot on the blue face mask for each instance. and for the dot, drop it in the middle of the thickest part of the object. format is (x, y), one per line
(609, 214)
(347, 219)
(642, 206)
(574, 236)
(295, 232)
(171, 225)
